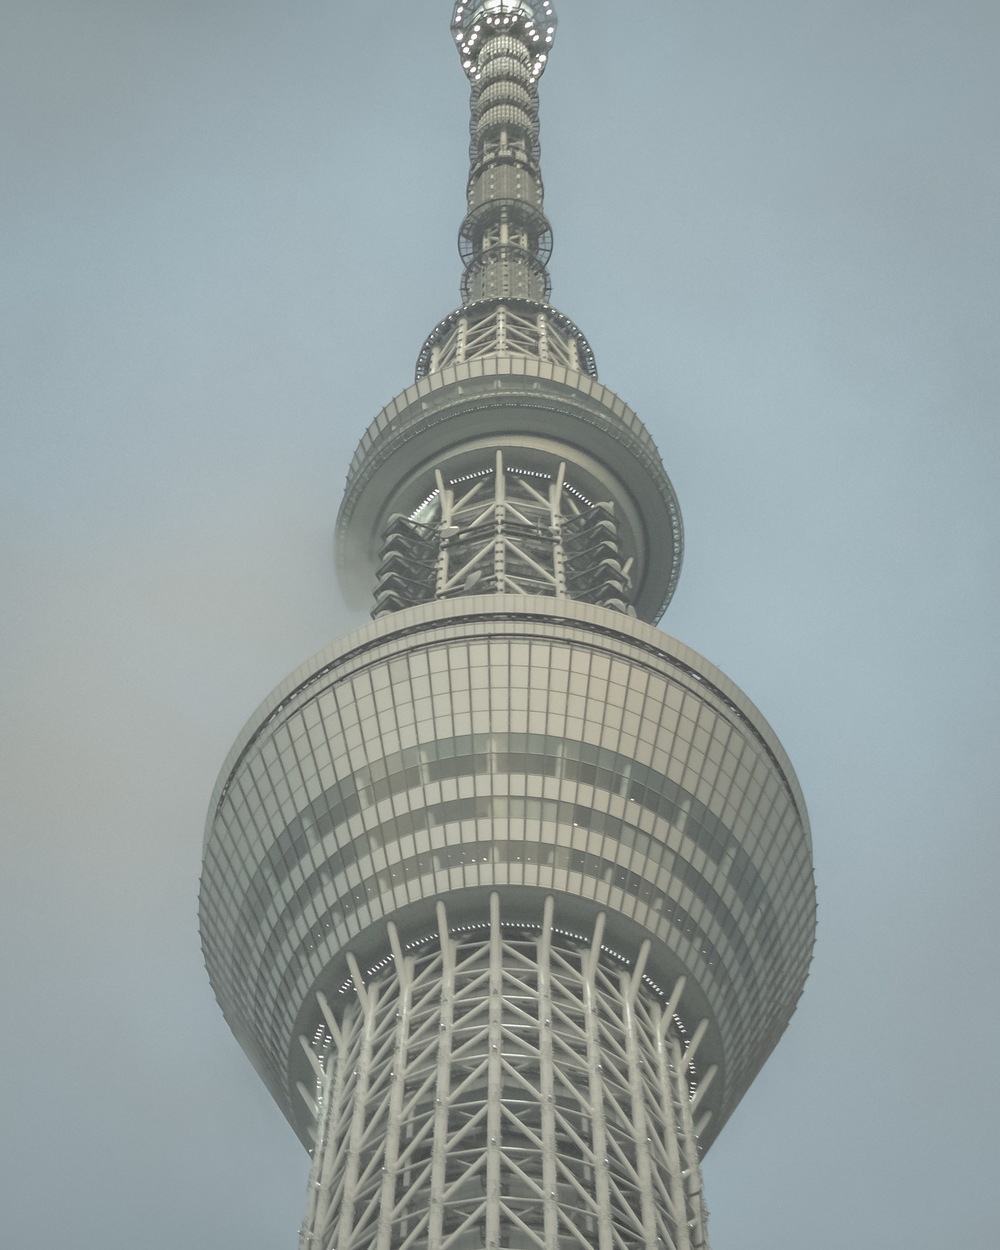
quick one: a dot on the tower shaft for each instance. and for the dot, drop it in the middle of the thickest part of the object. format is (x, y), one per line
(509, 1085)
(505, 239)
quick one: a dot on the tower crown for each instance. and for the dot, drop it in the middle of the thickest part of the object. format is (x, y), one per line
(472, 24)
(505, 240)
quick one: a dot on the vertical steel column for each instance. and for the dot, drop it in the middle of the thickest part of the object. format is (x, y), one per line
(693, 1191)
(664, 1065)
(499, 521)
(546, 1078)
(323, 1188)
(501, 314)
(494, 1079)
(688, 1223)
(558, 549)
(598, 1128)
(367, 999)
(446, 500)
(404, 975)
(643, 1130)
(442, 1092)
(542, 326)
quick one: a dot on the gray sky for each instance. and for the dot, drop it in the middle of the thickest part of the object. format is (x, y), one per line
(227, 228)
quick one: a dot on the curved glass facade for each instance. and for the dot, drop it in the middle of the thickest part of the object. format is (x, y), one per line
(548, 748)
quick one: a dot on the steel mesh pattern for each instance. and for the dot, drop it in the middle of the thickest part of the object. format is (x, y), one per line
(543, 411)
(502, 328)
(504, 1087)
(503, 529)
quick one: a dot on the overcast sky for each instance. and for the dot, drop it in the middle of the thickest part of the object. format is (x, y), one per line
(227, 227)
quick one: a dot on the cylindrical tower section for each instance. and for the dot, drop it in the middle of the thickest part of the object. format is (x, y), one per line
(505, 240)
(504, 1084)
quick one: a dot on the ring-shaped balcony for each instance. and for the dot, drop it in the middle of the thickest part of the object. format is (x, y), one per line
(519, 214)
(481, 309)
(515, 257)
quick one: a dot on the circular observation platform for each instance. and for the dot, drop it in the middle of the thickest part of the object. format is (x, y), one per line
(539, 415)
(536, 748)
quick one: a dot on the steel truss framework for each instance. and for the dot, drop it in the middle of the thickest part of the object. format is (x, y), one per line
(506, 531)
(504, 1086)
(506, 328)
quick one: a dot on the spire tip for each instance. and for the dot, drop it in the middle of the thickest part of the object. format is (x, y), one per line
(472, 20)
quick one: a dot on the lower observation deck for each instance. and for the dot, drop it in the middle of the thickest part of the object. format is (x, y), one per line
(539, 748)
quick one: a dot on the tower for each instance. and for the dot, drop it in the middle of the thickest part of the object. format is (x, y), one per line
(507, 895)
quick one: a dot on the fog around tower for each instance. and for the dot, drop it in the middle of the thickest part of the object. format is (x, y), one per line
(227, 230)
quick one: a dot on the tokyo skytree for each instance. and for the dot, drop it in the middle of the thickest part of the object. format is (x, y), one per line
(507, 895)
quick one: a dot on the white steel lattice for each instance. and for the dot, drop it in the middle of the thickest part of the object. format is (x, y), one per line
(504, 1087)
(500, 330)
(503, 531)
